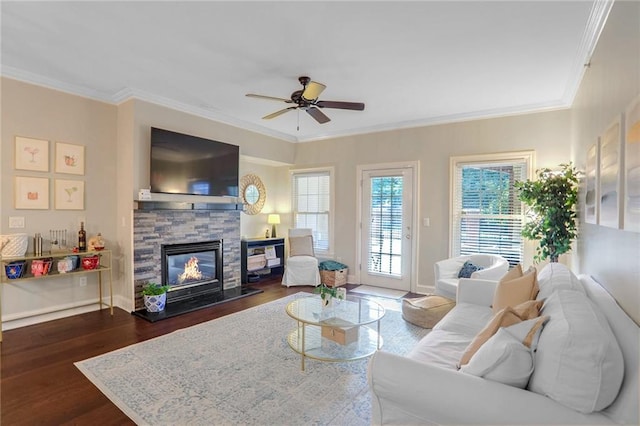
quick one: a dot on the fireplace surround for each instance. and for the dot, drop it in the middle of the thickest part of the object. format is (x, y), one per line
(158, 227)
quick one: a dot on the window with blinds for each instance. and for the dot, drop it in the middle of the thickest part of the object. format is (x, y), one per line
(312, 206)
(487, 216)
(385, 231)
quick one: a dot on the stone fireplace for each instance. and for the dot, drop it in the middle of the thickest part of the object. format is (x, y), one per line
(155, 228)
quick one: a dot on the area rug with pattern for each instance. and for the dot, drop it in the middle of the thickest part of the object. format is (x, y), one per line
(239, 369)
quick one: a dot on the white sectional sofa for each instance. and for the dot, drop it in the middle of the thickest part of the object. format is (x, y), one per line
(585, 368)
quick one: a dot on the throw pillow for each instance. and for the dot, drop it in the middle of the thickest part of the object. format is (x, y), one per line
(301, 246)
(503, 358)
(556, 276)
(528, 332)
(515, 272)
(467, 269)
(529, 309)
(511, 292)
(578, 362)
(504, 318)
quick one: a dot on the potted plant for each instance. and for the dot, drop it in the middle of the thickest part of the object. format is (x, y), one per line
(155, 296)
(552, 200)
(326, 294)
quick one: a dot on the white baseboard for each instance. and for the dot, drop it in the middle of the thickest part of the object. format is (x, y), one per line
(24, 319)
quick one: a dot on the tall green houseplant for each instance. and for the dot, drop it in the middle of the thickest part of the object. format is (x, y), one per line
(552, 200)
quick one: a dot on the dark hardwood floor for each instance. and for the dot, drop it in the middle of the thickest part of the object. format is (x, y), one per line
(41, 386)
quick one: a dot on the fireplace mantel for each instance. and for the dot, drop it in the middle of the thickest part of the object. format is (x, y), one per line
(180, 205)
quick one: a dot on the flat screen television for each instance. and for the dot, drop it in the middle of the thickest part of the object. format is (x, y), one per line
(184, 164)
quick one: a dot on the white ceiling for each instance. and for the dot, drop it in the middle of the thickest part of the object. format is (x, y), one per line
(412, 63)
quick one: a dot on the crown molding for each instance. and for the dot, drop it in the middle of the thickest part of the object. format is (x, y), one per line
(597, 19)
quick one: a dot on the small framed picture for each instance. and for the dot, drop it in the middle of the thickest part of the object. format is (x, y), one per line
(31, 193)
(31, 154)
(69, 158)
(69, 194)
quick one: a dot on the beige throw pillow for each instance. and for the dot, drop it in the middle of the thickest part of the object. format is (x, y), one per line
(504, 318)
(529, 309)
(301, 246)
(512, 291)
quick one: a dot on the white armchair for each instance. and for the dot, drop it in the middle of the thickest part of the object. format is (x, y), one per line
(446, 271)
(301, 267)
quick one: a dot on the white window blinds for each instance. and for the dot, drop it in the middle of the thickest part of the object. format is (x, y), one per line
(487, 216)
(312, 206)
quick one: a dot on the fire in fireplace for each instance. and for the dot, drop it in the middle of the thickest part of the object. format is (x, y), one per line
(192, 269)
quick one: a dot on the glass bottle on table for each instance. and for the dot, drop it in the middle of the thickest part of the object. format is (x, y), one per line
(82, 238)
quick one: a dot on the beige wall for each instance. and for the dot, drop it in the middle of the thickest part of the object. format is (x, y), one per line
(116, 138)
(547, 133)
(612, 256)
(51, 115)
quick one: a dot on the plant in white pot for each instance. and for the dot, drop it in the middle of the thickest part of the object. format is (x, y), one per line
(155, 296)
(326, 294)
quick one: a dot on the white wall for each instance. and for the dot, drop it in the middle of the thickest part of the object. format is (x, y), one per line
(612, 256)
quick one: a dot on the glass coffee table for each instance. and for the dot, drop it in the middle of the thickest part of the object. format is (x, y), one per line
(336, 333)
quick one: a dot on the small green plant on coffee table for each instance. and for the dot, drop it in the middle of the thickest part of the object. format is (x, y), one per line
(325, 292)
(153, 289)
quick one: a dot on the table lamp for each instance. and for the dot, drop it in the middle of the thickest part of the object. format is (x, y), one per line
(273, 220)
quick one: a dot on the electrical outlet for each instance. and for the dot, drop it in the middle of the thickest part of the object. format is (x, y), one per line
(16, 221)
(82, 281)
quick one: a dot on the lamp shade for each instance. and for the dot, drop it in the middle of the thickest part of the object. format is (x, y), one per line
(273, 219)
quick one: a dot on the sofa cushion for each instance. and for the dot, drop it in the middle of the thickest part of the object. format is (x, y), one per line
(556, 276)
(503, 358)
(578, 362)
(467, 269)
(513, 290)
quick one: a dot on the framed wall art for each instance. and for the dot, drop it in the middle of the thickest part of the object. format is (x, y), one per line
(610, 175)
(31, 193)
(69, 158)
(69, 194)
(632, 167)
(31, 154)
(591, 183)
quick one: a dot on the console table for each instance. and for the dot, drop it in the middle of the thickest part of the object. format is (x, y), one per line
(261, 257)
(103, 266)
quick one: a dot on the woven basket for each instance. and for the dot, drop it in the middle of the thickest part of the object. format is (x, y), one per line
(334, 278)
(14, 245)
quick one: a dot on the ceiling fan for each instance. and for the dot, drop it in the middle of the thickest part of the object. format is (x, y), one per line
(307, 99)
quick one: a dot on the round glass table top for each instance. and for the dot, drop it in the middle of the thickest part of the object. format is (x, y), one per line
(341, 313)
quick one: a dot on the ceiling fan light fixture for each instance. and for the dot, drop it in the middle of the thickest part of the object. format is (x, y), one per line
(312, 91)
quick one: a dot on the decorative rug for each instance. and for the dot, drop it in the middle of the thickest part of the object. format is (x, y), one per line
(239, 369)
(379, 291)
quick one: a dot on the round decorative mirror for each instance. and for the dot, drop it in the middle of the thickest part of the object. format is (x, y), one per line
(253, 193)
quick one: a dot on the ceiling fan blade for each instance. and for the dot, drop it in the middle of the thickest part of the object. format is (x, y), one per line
(358, 106)
(253, 95)
(313, 90)
(318, 115)
(277, 113)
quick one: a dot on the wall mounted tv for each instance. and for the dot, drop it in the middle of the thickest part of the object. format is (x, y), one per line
(183, 164)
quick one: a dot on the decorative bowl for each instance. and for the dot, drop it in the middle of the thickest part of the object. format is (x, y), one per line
(75, 262)
(90, 262)
(65, 265)
(40, 266)
(15, 269)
